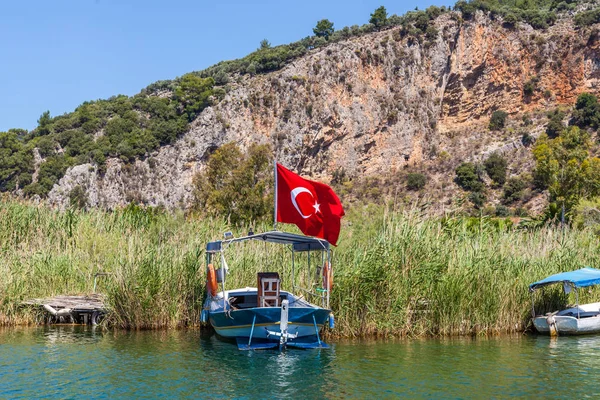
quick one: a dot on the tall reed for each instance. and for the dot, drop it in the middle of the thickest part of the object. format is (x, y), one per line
(396, 272)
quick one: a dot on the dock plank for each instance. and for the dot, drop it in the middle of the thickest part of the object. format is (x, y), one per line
(79, 302)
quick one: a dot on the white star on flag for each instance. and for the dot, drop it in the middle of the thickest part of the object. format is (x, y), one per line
(317, 208)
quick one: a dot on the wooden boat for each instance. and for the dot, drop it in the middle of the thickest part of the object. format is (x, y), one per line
(578, 320)
(266, 316)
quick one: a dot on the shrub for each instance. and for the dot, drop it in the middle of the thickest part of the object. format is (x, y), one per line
(514, 190)
(477, 199)
(530, 86)
(587, 18)
(527, 139)
(467, 177)
(510, 19)
(498, 120)
(495, 166)
(587, 111)
(502, 211)
(555, 123)
(236, 185)
(416, 181)
(78, 197)
(467, 8)
(46, 146)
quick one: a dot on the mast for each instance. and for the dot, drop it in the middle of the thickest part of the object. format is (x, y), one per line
(275, 196)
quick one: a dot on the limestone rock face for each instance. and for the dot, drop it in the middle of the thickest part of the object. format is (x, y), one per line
(372, 105)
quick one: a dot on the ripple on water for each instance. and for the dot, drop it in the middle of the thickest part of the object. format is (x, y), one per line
(67, 362)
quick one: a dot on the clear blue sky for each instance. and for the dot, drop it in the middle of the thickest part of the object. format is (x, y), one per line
(56, 54)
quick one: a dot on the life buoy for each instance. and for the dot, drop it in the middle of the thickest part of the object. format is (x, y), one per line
(327, 276)
(211, 280)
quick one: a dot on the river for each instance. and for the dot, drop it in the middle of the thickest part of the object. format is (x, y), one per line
(77, 361)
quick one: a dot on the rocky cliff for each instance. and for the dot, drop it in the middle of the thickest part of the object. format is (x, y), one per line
(381, 104)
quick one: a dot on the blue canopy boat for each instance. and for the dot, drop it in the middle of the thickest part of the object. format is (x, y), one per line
(578, 320)
(266, 316)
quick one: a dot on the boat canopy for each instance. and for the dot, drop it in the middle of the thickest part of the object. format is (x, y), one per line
(580, 278)
(298, 242)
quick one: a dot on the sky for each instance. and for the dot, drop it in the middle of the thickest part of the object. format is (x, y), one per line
(54, 55)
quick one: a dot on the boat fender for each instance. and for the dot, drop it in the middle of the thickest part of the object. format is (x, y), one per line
(327, 276)
(331, 321)
(203, 316)
(211, 280)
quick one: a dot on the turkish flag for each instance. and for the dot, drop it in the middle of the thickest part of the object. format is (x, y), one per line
(312, 206)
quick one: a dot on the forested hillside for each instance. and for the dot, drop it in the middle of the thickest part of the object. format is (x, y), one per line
(486, 107)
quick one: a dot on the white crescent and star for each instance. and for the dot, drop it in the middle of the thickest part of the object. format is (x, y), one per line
(295, 192)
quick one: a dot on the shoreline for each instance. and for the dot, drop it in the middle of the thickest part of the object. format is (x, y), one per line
(396, 273)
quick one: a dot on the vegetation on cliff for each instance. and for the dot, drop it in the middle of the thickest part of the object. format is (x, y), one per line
(131, 128)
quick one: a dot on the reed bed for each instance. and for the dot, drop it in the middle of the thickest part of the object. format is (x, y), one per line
(396, 272)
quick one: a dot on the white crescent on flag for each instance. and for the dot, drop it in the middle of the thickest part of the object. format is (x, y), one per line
(295, 192)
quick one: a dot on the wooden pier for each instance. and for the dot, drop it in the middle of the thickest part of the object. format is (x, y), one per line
(72, 309)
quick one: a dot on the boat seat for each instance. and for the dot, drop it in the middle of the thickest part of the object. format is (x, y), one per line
(268, 289)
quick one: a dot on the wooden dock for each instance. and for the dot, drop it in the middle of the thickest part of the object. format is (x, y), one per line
(74, 309)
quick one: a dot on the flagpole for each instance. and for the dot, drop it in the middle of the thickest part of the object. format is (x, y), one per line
(275, 212)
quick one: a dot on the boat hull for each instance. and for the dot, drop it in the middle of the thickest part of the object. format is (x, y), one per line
(238, 323)
(567, 325)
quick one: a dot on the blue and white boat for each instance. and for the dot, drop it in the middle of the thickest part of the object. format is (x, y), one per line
(266, 316)
(578, 320)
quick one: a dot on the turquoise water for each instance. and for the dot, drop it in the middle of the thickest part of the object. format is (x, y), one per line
(76, 362)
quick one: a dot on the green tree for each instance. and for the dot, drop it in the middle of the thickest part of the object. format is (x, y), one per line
(43, 124)
(587, 111)
(564, 167)
(264, 44)
(468, 178)
(495, 166)
(16, 162)
(478, 199)
(236, 185)
(555, 123)
(379, 18)
(324, 28)
(514, 190)
(416, 181)
(193, 93)
(498, 120)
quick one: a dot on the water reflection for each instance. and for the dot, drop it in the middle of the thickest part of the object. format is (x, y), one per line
(67, 361)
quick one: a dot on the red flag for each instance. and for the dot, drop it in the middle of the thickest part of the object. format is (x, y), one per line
(312, 206)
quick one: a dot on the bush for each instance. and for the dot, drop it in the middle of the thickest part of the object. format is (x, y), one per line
(587, 111)
(502, 211)
(498, 120)
(78, 197)
(467, 8)
(495, 166)
(587, 18)
(555, 123)
(236, 185)
(467, 177)
(530, 86)
(514, 190)
(416, 181)
(527, 139)
(477, 199)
